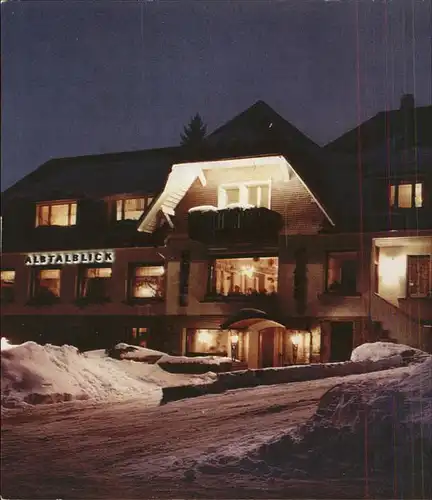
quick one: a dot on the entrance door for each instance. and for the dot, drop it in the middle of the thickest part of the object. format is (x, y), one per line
(267, 347)
(341, 343)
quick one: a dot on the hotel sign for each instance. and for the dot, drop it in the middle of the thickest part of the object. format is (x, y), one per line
(79, 257)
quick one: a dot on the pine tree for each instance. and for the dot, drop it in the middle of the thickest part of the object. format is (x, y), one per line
(194, 133)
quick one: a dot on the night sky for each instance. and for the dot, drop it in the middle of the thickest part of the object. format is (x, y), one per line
(83, 77)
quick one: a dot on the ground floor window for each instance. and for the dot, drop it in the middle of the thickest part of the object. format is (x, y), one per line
(301, 347)
(7, 285)
(215, 342)
(419, 275)
(140, 336)
(46, 284)
(244, 276)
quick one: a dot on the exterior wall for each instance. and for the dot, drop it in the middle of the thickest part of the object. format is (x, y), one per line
(290, 198)
(392, 267)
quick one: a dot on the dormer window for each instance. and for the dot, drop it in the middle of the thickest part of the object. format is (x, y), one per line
(56, 214)
(131, 208)
(256, 194)
(406, 195)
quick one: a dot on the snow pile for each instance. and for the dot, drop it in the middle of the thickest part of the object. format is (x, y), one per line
(195, 360)
(136, 353)
(35, 374)
(203, 208)
(378, 429)
(5, 344)
(375, 351)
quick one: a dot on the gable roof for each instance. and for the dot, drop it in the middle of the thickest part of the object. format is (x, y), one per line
(257, 131)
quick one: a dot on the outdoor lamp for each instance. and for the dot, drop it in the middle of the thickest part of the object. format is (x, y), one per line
(234, 345)
(295, 340)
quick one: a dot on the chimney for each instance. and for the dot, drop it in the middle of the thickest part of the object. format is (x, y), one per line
(407, 102)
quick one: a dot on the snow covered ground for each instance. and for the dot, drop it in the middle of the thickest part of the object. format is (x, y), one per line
(357, 436)
(35, 374)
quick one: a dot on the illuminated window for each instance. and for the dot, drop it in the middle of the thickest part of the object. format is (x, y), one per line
(131, 208)
(7, 285)
(418, 195)
(247, 276)
(95, 283)
(46, 284)
(406, 195)
(208, 342)
(147, 282)
(56, 214)
(255, 194)
(342, 272)
(140, 336)
(419, 275)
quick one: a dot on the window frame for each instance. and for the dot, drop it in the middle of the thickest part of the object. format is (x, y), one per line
(148, 199)
(393, 194)
(243, 192)
(342, 292)
(69, 203)
(211, 289)
(131, 278)
(12, 288)
(37, 298)
(80, 283)
(429, 292)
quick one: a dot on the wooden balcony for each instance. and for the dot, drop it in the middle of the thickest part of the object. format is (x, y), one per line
(235, 225)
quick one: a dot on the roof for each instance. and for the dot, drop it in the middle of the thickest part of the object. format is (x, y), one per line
(258, 131)
(97, 175)
(389, 128)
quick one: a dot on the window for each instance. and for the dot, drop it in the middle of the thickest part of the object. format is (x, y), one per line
(208, 342)
(256, 194)
(95, 283)
(131, 208)
(147, 282)
(140, 336)
(406, 195)
(7, 285)
(56, 214)
(419, 275)
(342, 273)
(46, 284)
(244, 276)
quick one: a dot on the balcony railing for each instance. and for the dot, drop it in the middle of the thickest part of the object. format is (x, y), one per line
(235, 225)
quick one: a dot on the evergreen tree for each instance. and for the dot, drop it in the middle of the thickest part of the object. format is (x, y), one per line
(194, 133)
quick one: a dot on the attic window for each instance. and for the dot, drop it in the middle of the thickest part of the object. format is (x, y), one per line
(251, 193)
(56, 214)
(131, 208)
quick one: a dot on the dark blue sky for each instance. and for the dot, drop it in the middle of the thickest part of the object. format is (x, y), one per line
(87, 77)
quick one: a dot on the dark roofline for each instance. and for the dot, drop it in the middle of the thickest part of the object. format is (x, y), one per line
(342, 137)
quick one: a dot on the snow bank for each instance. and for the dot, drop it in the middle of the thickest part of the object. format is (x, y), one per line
(35, 374)
(375, 351)
(380, 430)
(287, 374)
